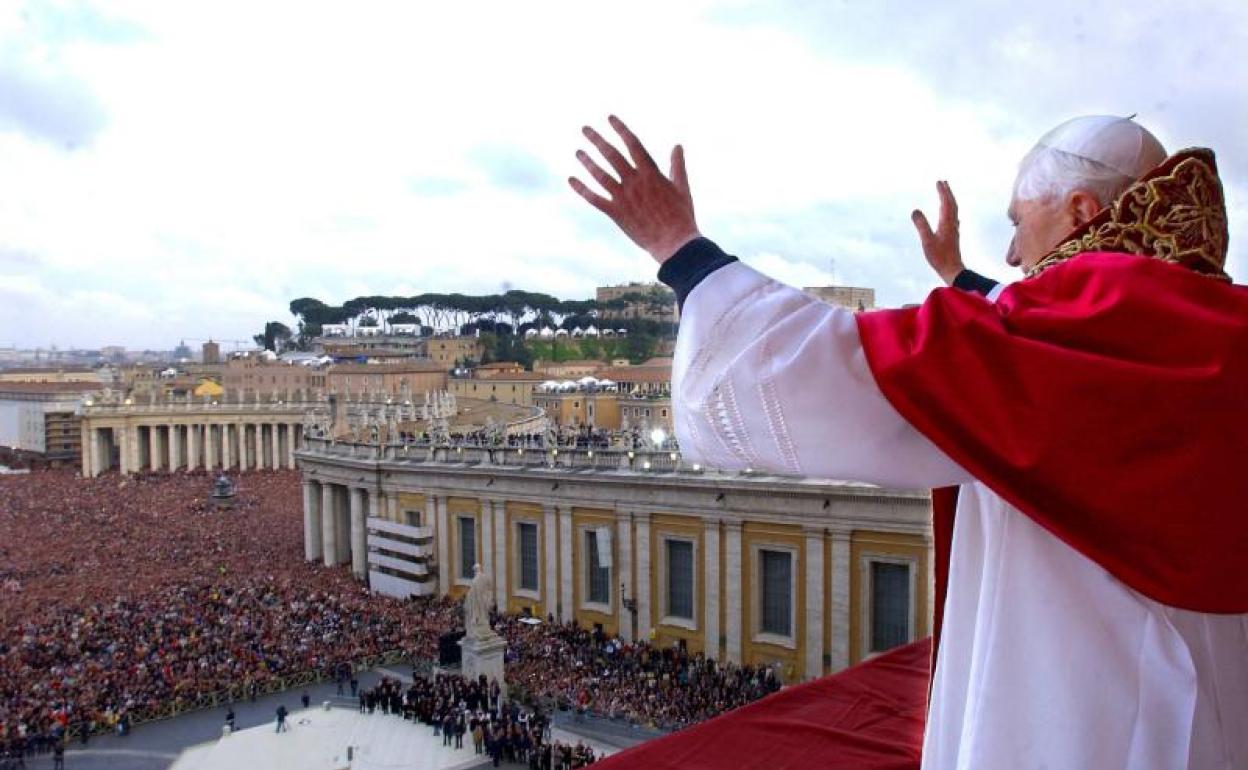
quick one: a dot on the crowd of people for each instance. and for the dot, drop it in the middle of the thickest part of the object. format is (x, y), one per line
(460, 710)
(122, 597)
(664, 688)
(564, 437)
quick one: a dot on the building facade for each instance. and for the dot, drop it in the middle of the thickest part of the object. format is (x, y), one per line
(417, 377)
(850, 297)
(168, 435)
(40, 418)
(809, 576)
(253, 374)
(515, 388)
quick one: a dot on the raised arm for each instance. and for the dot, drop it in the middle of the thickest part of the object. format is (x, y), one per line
(765, 376)
(768, 377)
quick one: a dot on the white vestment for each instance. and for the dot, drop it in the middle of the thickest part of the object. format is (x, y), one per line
(1046, 660)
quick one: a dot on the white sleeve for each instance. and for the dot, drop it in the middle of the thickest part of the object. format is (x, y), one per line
(768, 377)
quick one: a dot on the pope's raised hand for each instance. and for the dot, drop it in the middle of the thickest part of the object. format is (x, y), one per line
(941, 247)
(654, 210)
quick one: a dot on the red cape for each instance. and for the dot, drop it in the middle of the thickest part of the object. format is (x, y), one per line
(868, 717)
(1107, 399)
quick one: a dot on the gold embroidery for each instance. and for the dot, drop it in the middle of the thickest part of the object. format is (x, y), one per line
(1175, 213)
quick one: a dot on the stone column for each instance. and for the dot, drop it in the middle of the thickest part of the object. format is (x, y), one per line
(710, 561)
(259, 429)
(641, 521)
(292, 441)
(501, 578)
(226, 458)
(93, 454)
(839, 597)
(814, 602)
(374, 503)
(624, 566)
(342, 525)
(210, 446)
(359, 545)
(392, 508)
(566, 603)
(155, 448)
(175, 447)
(311, 521)
(444, 545)
(487, 537)
(329, 526)
(551, 571)
(132, 448)
(732, 599)
(87, 453)
(275, 447)
(121, 435)
(192, 446)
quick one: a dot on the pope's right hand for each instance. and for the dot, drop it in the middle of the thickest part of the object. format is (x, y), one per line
(941, 247)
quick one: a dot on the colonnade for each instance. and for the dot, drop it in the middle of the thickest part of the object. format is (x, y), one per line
(341, 522)
(190, 445)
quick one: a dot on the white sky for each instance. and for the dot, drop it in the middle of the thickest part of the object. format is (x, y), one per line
(180, 170)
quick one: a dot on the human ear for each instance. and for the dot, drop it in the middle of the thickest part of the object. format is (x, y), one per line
(1081, 206)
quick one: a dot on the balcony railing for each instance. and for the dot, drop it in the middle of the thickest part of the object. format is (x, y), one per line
(646, 460)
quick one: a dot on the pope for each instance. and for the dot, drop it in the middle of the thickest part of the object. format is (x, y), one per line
(1084, 430)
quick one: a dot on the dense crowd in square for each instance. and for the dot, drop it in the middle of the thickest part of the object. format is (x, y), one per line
(124, 598)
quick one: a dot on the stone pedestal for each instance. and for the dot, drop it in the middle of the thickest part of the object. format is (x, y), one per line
(483, 656)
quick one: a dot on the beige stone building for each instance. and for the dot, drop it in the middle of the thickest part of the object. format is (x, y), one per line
(851, 297)
(515, 388)
(50, 374)
(645, 412)
(449, 350)
(809, 575)
(253, 374)
(596, 409)
(420, 377)
(39, 419)
(569, 370)
(496, 369)
(644, 380)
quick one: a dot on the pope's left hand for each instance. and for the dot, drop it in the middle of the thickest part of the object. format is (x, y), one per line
(942, 247)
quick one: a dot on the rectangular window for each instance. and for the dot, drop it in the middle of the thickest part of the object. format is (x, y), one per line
(680, 579)
(776, 575)
(599, 575)
(467, 547)
(890, 605)
(528, 556)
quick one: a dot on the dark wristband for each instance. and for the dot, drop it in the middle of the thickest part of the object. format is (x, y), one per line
(692, 263)
(969, 280)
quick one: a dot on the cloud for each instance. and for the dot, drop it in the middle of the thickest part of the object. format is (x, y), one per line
(511, 168)
(218, 174)
(436, 186)
(47, 105)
